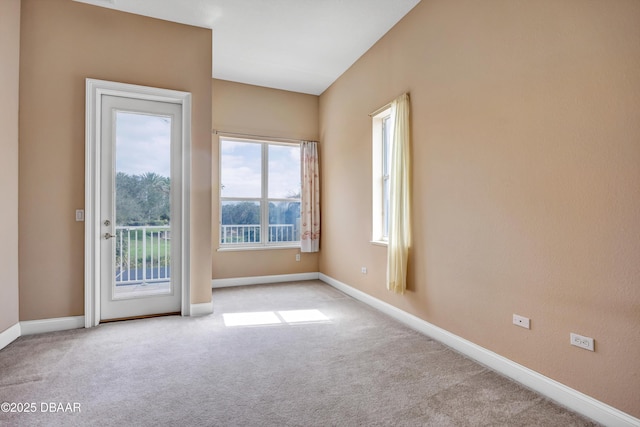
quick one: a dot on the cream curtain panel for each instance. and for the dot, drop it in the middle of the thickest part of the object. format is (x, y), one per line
(310, 209)
(399, 197)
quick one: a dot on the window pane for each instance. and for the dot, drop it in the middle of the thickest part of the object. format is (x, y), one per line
(240, 169)
(240, 222)
(284, 172)
(386, 170)
(284, 221)
(386, 145)
(385, 207)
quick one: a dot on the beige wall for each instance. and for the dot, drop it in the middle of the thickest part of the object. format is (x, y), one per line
(526, 177)
(64, 42)
(9, 77)
(267, 112)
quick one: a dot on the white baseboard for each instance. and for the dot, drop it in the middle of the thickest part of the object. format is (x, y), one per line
(566, 396)
(202, 309)
(260, 280)
(30, 327)
(9, 335)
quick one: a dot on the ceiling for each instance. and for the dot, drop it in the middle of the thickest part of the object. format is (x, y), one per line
(297, 45)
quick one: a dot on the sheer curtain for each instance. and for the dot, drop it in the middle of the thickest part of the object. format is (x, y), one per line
(399, 197)
(310, 198)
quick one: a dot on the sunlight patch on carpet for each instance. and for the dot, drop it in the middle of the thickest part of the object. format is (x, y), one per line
(298, 316)
(251, 319)
(266, 318)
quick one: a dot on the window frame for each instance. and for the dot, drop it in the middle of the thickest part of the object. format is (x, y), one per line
(263, 201)
(382, 131)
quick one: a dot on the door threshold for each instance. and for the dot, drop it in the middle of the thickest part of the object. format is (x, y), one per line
(146, 316)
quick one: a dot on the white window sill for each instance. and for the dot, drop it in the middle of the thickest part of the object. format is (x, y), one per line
(380, 243)
(255, 248)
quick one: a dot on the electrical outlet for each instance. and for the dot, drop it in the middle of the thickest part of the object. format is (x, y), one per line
(297, 257)
(521, 321)
(582, 342)
(364, 270)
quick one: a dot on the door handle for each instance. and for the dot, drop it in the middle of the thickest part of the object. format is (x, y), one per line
(109, 236)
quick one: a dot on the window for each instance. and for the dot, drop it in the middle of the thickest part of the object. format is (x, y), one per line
(382, 131)
(259, 193)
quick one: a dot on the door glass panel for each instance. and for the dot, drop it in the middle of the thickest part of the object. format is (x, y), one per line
(142, 205)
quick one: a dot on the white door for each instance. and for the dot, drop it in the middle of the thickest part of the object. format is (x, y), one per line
(140, 200)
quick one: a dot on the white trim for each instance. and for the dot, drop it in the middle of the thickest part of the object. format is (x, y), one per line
(377, 177)
(256, 248)
(566, 396)
(202, 309)
(30, 327)
(185, 268)
(94, 91)
(263, 200)
(9, 335)
(260, 280)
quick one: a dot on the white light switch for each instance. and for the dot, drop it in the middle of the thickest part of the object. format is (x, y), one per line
(79, 214)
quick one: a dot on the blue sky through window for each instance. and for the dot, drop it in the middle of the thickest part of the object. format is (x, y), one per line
(241, 170)
(284, 171)
(143, 144)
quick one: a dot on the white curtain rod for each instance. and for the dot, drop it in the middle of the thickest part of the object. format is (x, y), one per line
(248, 135)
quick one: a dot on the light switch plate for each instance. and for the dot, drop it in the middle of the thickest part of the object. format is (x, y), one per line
(521, 321)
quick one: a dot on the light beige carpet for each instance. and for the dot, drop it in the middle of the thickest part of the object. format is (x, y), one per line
(357, 367)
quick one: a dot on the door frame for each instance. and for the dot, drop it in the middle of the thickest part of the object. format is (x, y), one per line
(95, 89)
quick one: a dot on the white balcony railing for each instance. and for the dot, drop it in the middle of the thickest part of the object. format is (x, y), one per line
(250, 233)
(282, 233)
(143, 254)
